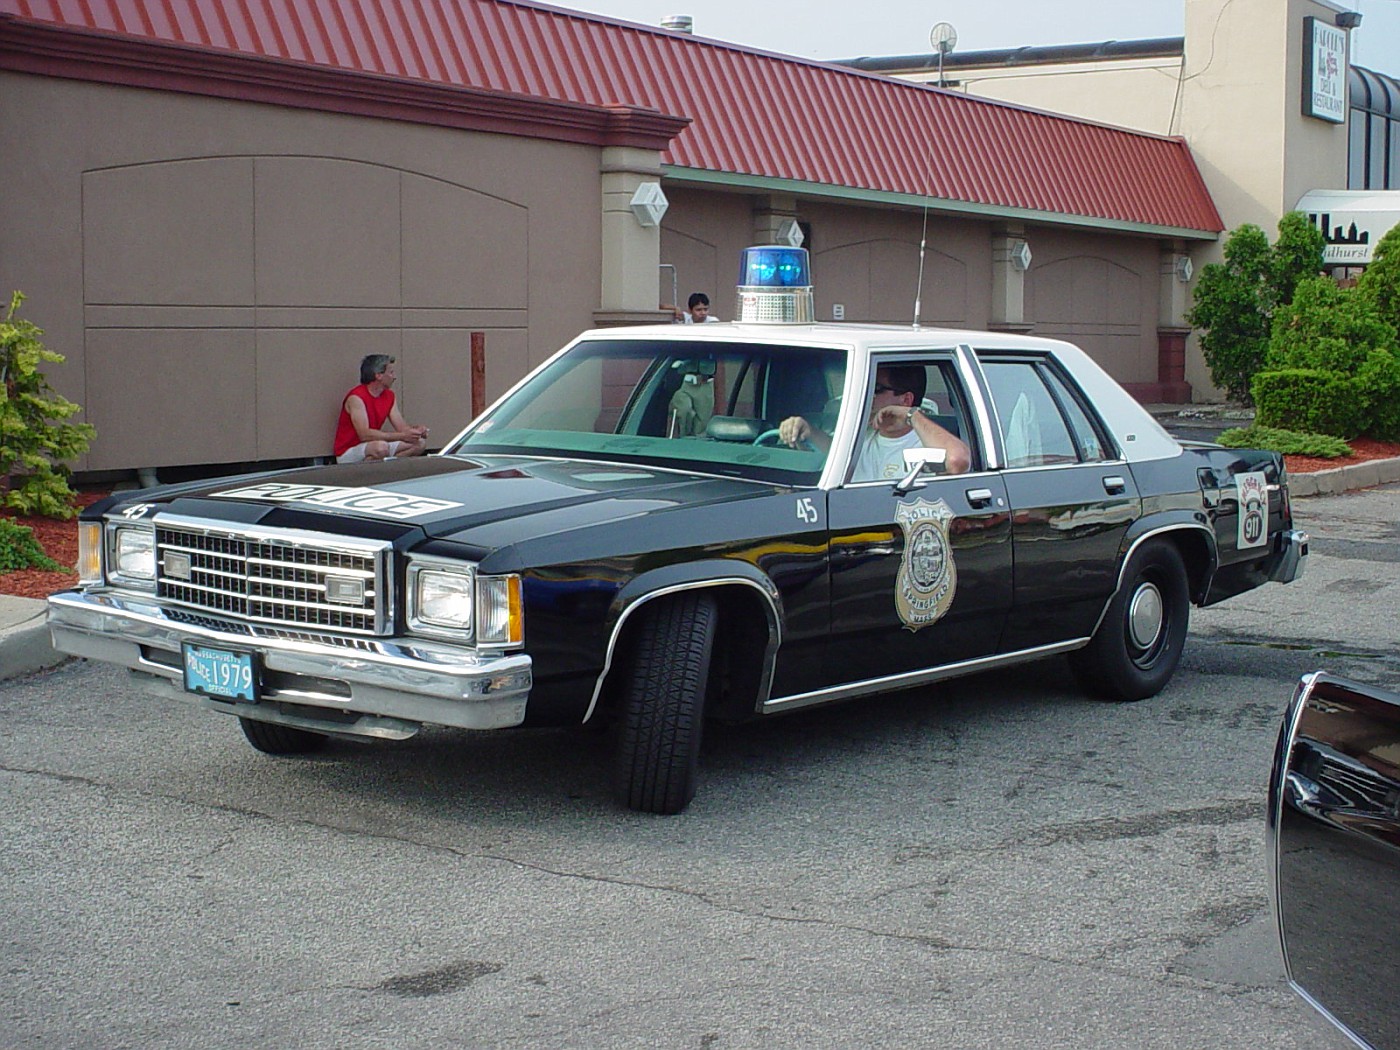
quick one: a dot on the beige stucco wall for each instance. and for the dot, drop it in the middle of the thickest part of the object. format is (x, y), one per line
(214, 270)
(1235, 96)
(1131, 93)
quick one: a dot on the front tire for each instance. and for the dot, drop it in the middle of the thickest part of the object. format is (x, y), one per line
(1135, 651)
(272, 739)
(663, 701)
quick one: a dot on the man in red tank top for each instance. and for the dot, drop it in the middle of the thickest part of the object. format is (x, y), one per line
(370, 426)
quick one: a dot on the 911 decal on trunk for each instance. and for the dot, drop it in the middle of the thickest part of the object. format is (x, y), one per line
(1254, 510)
(928, 576)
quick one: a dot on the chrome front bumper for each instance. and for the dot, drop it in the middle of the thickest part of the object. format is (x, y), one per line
(382, 687)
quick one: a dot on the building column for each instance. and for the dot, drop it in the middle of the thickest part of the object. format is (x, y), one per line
(771, 211)
(1009, 250)
(1174, 272)
(631, 251)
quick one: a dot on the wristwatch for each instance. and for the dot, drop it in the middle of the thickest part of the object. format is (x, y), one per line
(909, 416)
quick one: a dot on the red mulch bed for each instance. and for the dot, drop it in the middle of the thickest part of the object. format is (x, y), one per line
(60, 542)
(60, 538)
(1362, 449)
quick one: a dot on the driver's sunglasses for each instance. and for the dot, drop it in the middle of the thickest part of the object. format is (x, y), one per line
(880, 388)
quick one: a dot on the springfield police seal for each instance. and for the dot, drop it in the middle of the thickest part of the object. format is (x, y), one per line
(928, 577)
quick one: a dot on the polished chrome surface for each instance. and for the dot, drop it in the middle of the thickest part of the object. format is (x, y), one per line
(1334, 818)
(1145, 615)
(1294, 558)
(909, 679)
(272, 576)
(412, 680)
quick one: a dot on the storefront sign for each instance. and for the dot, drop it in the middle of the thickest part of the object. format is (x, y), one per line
(1324, 71)
(1351, 221)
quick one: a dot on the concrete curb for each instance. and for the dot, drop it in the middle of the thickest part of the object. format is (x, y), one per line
(1344, 479)
(24, 637)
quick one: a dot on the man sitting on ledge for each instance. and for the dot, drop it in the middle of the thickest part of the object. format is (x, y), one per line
(370, 426)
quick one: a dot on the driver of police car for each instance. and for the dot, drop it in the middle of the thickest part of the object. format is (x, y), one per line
(896, 423)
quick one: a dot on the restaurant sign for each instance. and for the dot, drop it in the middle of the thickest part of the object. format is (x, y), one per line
(1324, 71)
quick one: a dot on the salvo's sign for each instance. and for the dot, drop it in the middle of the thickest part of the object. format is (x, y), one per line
(1324, 71)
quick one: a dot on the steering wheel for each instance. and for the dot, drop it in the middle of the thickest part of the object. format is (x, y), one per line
(771, 437)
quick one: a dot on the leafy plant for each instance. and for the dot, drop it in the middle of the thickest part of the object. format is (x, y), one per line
(1379, 283)
(1297, 254)
(1232, 305)
(1327, 327)
(20, 550)
(34, 439)
(1312, 400)
(1287, 442)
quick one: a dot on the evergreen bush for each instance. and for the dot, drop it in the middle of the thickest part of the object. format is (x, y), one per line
(35, 440)
(1286, 442)
(20, 550)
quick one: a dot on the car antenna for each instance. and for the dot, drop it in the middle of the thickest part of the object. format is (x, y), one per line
(919, 290)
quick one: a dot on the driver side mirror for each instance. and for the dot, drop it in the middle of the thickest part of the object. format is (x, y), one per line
(919, 462)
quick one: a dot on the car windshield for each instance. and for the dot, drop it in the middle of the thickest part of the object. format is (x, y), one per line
(706, 406)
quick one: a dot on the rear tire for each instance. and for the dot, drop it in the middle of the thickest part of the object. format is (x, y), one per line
(272, 739)
(1136, 649)
(663, 701)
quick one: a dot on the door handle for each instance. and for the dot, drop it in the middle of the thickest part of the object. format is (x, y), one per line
(979, 497)
(1114, 485)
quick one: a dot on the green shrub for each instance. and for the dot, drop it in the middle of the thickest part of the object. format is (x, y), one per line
(1326, 327)
(1379, 283)
(1310, 400)
(1287, 442)
(1379, 382)
(1232, 304)
(20, 550)
(34, 439)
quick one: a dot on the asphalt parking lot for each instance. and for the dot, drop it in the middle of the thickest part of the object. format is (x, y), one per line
(995, 862)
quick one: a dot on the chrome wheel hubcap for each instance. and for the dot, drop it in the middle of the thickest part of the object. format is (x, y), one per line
(1145, 616)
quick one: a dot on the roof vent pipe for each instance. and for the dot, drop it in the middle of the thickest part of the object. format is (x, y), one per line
(679, 23)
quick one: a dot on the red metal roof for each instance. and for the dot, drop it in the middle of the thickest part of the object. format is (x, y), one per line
(754, 114)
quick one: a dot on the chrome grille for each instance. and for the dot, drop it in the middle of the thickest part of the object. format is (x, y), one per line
(274, 576)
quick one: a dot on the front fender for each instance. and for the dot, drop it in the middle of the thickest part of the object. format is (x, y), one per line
(717, 574)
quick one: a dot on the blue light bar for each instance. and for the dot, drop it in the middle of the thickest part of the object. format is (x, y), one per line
(774, 266)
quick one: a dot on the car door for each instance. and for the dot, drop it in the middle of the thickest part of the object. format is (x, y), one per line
(919, 579)
(1072, 499)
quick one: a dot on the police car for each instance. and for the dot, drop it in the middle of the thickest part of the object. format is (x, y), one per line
(665, 525)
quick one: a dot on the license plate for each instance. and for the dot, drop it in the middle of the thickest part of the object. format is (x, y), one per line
(219, 672)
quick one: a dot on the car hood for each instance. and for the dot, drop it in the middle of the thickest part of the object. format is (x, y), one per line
(485, 501)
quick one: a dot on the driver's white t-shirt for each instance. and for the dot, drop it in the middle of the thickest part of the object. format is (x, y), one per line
(883, 458)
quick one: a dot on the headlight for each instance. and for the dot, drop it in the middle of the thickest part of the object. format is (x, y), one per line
(444, 599)
(133, 553)
(453, 601)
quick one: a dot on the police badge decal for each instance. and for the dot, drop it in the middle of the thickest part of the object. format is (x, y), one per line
(928, 577)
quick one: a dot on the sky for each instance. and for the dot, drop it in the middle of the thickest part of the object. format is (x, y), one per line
(828, 29)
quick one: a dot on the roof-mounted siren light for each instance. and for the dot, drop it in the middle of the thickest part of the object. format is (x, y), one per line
(775, 285)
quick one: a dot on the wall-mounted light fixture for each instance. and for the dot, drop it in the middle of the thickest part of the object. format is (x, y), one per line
(789, 233)
(1020, 256)
(1348, 19)
(1183, 268)
(649, 204)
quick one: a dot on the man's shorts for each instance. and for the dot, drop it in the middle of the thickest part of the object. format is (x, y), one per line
(356, 453)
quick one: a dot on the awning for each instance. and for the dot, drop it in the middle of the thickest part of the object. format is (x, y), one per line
(1351, 221)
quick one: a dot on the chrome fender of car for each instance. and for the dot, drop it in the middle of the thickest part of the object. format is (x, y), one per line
(1333, 830)
(690, 576)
